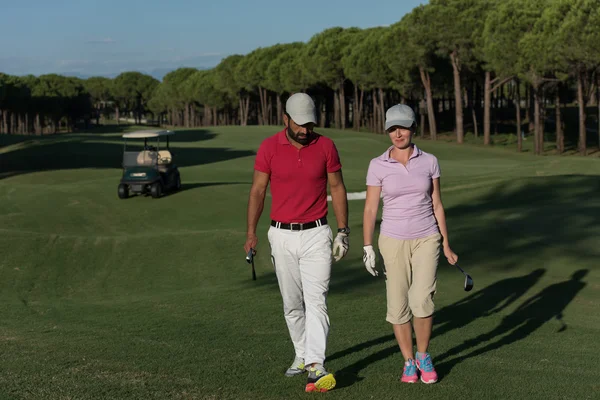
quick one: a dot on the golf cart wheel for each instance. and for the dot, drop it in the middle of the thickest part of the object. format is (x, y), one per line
(123, 191)
(156, 190)
(178, 183)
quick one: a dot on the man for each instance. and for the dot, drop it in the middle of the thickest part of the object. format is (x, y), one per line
(299, 163)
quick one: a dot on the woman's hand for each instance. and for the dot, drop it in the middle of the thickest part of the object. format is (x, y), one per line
(450, 255)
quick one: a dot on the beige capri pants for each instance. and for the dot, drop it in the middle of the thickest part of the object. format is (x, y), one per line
(411, 272)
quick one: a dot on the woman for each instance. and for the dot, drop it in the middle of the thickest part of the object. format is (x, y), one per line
(412, 230)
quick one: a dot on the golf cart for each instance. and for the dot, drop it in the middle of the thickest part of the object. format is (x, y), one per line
(150, 170)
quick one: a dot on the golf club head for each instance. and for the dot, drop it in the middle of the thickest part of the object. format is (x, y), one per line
(250, 256)
(468, 283)
(250, 260)
(468, 279)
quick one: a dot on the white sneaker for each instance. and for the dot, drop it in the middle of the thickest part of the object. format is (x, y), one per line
(296, 368)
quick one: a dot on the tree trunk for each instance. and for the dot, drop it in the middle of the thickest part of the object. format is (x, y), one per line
(496, 102)
(117, 115)
(342, 105)
(426, 81)
(265, 111)
(269, 108)
(186, 115)
(355, 114)
(598, 104)
(279, 110)
(260, 107)
(530, 111)
(518, 112)
(560, 139)
(336, 109)
(206, 119)
(360, 107)
(422, 125)
(473, 98)
(487, 103)
(323, 119)
(381, 111)
(244, 106)
(457, 97)
(469, 100)
(543, 109)
(581, 146)
(375, 112)
(36, 124)
(536, 118)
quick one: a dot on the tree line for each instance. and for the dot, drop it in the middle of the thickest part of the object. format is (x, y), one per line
(459, 63)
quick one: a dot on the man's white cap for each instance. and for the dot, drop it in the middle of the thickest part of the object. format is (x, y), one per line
(400, 115)
(301, 108)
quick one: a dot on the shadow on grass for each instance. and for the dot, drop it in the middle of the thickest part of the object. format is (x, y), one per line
(190, 186)
(531, 315)
(195, 135)
(483, 303)
(76, 152)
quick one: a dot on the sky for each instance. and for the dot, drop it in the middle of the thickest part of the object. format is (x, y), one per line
(106, 37)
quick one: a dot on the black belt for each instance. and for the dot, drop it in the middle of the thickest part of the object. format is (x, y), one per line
(297, 226)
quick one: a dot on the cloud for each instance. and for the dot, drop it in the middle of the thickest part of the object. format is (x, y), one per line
(102, 41)
(110, 64)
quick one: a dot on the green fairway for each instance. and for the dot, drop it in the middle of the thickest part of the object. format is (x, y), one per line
(102, 298)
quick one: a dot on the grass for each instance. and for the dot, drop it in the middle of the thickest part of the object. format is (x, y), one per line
(104, 298)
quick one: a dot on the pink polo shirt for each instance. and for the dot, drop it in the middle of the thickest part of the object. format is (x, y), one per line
(298, 177)
(407, 204)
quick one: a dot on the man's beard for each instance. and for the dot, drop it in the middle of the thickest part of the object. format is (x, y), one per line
(295, 138)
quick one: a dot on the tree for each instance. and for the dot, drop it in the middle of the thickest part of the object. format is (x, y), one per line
(325, 51)
(225, 80)
(99, 89)
(363, 63)
(502, 50)
(538, 59)
(208, 94)
(454, 22)
(178, 104)
(274, 81)
(410, 43)
(251, 73)
(577, 47)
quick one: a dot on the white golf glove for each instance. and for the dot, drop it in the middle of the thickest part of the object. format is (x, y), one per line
(369, 259)
(340, 246)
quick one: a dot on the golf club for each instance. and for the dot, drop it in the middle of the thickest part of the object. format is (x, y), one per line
(468, 279)
(250, 260)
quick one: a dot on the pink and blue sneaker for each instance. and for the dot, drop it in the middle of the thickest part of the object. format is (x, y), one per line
(425, 366)
(410, 372)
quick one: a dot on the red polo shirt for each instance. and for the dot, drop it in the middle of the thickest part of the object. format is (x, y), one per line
(298, 177)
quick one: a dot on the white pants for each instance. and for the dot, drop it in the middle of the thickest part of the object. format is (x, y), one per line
(302, 262)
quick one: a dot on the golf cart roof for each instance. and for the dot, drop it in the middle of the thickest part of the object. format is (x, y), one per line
(147, 134)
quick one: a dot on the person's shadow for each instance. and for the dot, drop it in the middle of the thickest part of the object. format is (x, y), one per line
(526, 319)
(482, 303)
(485, 302)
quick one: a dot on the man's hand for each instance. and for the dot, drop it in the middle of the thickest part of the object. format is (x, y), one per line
(369, 259)
(251, 242)
(340, 246)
